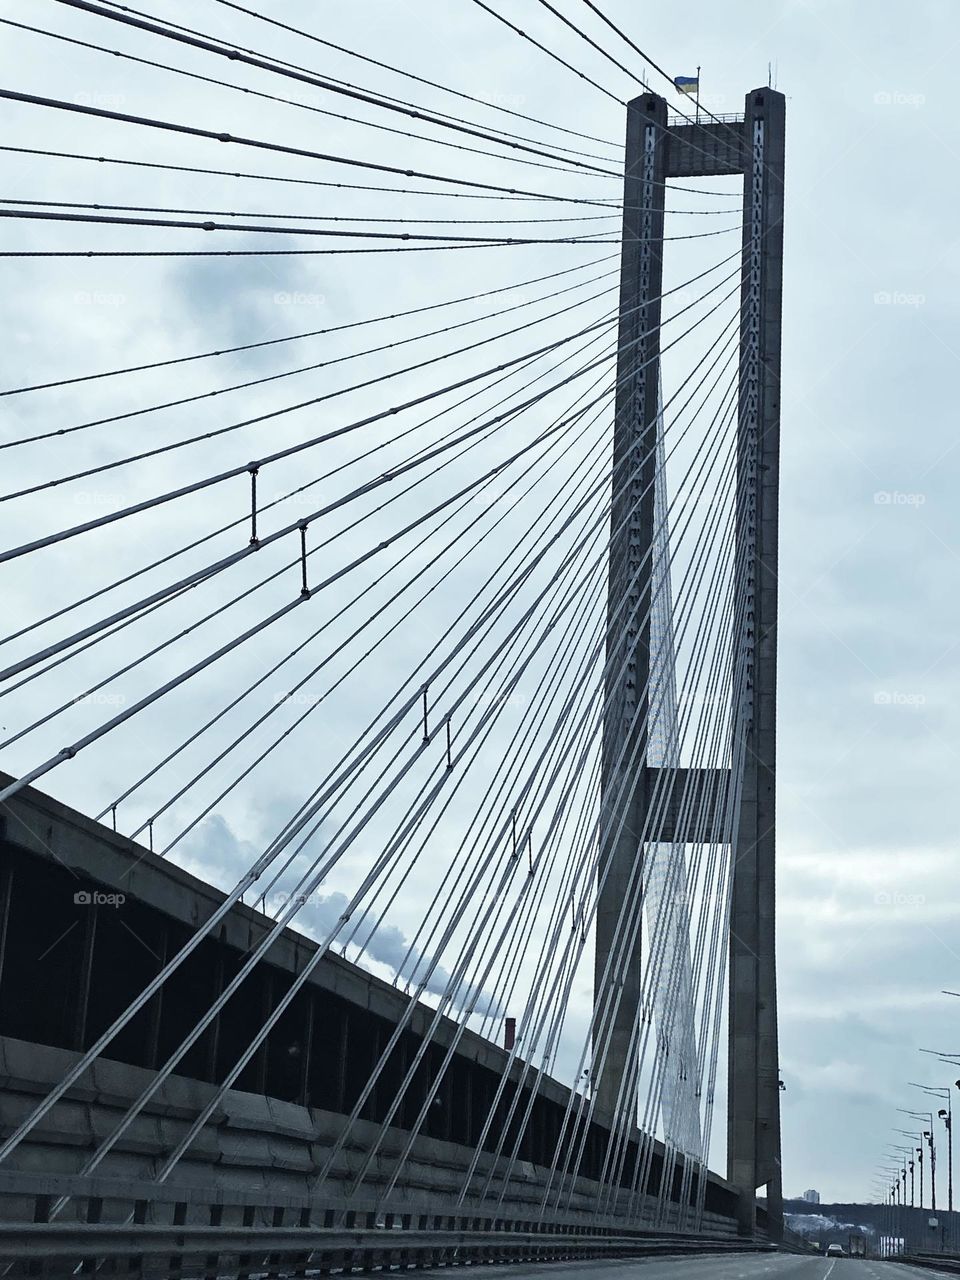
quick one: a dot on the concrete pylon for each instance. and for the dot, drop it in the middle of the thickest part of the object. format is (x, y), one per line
(656, 151)
(617, 978)
(753, 1107)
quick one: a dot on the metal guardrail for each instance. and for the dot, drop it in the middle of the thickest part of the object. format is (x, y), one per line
(716, 117)
(65, 1248)
(55, 1225)
(948, 1264)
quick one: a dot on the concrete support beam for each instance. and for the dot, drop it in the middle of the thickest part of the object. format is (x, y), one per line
(753, 1118)
(687, 806)
(705, 150)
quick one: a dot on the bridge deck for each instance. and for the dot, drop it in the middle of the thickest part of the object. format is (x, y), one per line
(83, 961)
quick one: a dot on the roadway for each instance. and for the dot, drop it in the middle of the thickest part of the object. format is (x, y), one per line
(763, 1266)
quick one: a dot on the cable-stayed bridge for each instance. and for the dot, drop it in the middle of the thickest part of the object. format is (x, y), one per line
(388, 821)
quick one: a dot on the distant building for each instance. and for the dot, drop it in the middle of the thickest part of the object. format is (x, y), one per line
(811, 1196)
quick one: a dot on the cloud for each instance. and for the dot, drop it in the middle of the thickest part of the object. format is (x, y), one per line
(868, 599)
(223, 856)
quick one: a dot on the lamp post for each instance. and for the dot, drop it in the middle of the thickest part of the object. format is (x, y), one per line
(919, 1150)
(906, 1155)
(928, 1135)
(946, 1115)
(894, 1213)
(895, 1199)
(910, 1162)
(880, 1194)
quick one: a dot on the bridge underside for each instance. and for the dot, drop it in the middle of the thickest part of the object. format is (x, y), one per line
(82, 955)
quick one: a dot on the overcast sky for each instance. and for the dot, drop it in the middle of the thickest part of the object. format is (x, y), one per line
(870, 532)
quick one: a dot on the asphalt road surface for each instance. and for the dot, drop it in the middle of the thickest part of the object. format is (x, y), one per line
(742, 1266)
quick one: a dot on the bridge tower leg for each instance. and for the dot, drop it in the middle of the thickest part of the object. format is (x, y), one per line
(654, 153)
(753, 1108)
(628, 602)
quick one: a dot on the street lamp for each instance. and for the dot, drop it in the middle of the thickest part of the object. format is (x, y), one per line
(946, 1115)
(918, 1137)
(913, 1138)
(897, 1203)
(928, 1134)
(907, 1157)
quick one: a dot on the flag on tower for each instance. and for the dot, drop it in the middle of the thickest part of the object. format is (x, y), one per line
(687, 84)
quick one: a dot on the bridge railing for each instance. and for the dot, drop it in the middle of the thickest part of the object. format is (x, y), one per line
(714, 117)
(57, 1225)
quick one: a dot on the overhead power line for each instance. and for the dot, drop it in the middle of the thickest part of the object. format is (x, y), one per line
(396, 437)
(292, 450)
(283, 149)
(609, 56)
(317, 182)
(235, 55)
(377, 379)
(514, 196)
(44, 215)
(278, 253)
(646, 57)
(319, 217)
(272, 97)
(555, 56)
(312, 333)
(307, 35)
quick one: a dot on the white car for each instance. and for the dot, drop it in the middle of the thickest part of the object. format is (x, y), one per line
(835, 1251)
